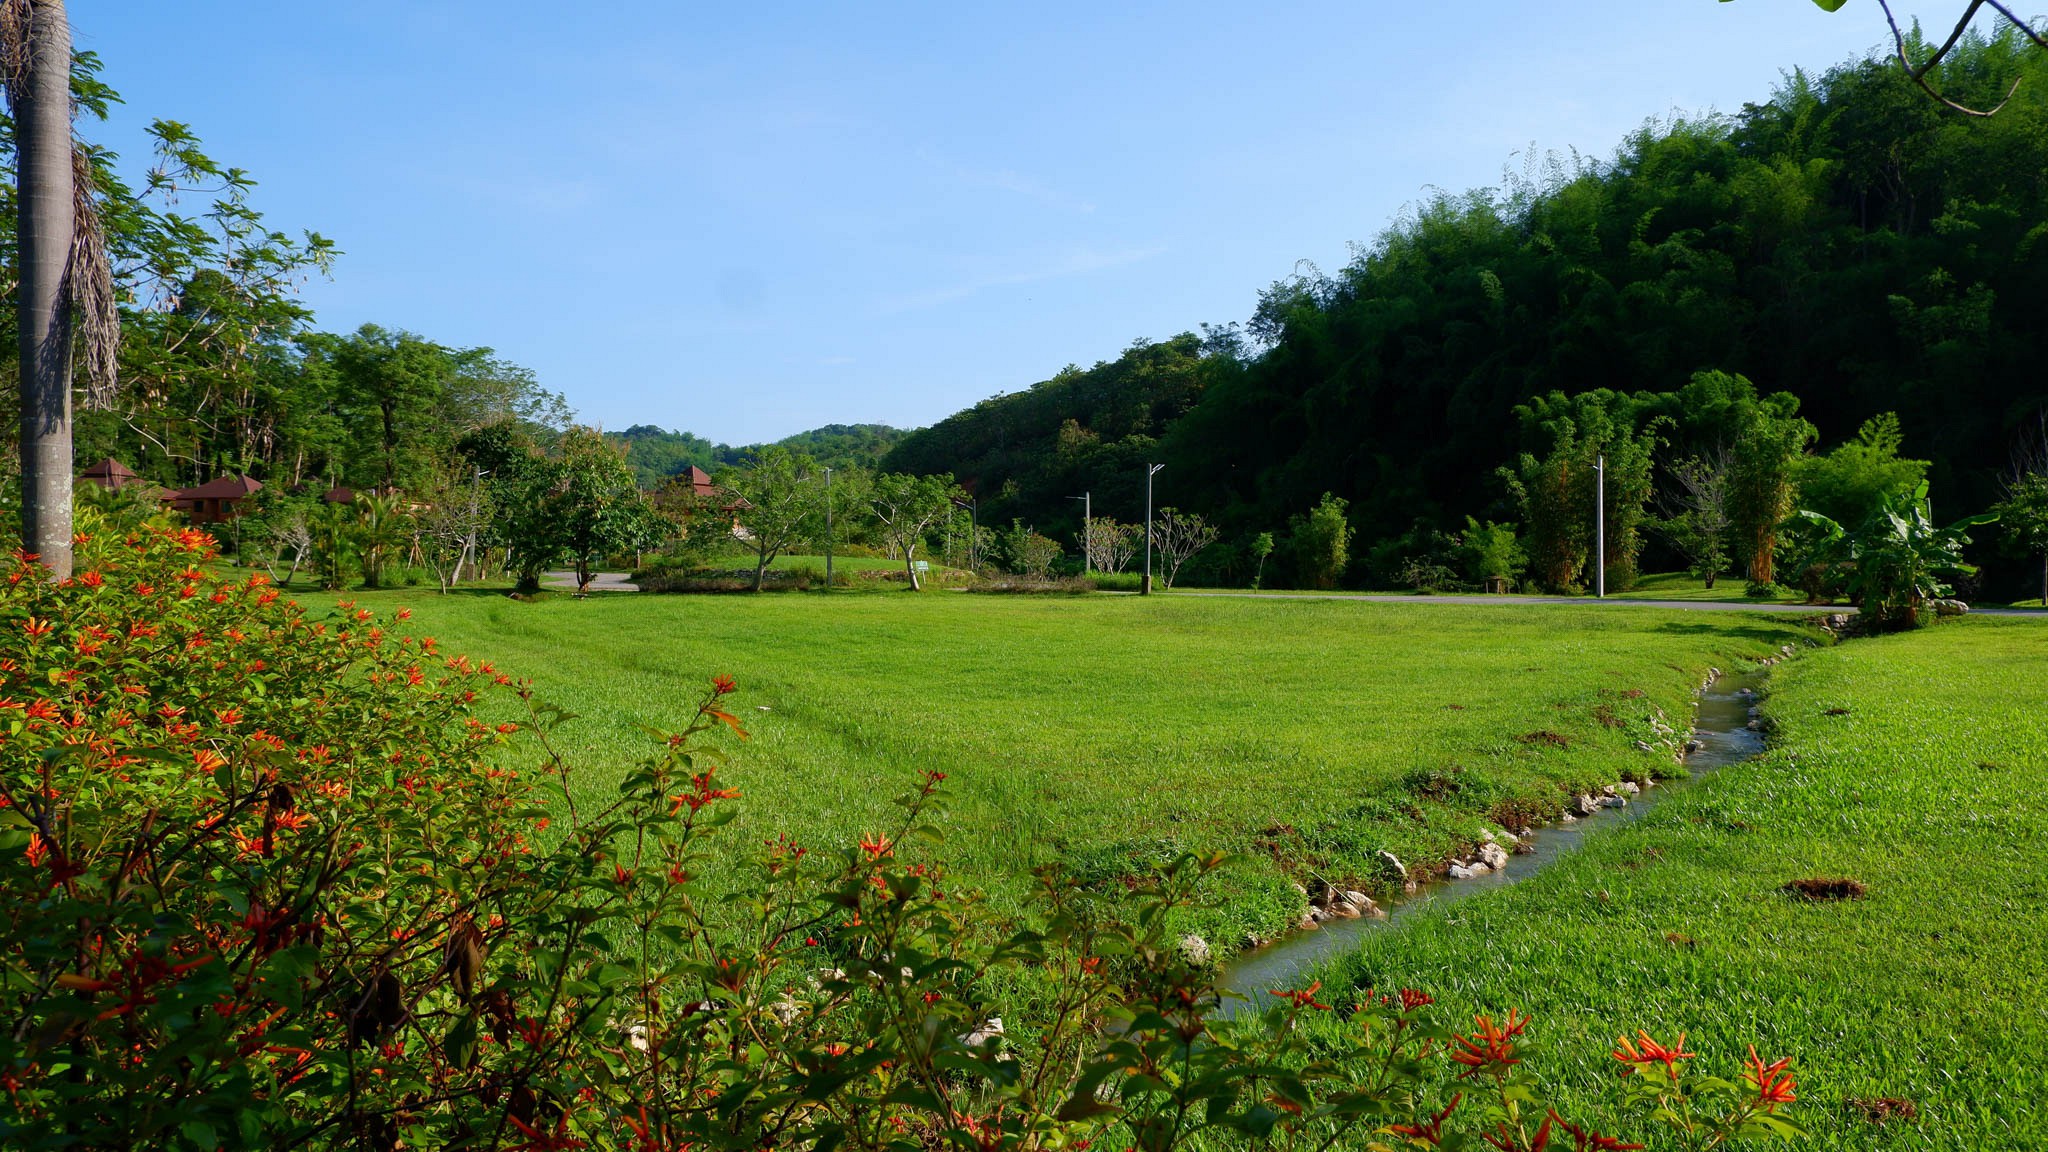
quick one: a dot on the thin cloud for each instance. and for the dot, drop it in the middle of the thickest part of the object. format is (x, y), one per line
(1078, 263)
(1006, 180)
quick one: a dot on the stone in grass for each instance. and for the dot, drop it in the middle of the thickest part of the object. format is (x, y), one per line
(1818, 888)
(1468, 871)
(1614, 801)
(1393, 866)
(1308, 923)
(1585, 805)
(1493, 856)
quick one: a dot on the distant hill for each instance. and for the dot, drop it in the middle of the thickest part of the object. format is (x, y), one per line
(658, 453)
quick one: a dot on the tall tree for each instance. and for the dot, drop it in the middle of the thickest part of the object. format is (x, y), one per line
(1178, 536)
(1761, 467)
(781, 499)
(62, 267)
(907, 507)
(598, 503)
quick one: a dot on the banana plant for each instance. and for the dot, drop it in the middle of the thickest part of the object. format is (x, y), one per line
(1897, 560)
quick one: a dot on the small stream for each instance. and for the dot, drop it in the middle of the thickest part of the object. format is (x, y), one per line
(1721, 726)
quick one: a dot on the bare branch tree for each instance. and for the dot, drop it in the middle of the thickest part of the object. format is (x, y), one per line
(1110, 545)
(1694, 517)
(1178, 536)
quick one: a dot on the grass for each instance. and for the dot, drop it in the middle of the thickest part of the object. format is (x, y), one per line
(1684, 586)
(1114, 731)
(1912, 764)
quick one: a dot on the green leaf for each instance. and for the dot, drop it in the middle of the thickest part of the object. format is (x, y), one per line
(460, 1045)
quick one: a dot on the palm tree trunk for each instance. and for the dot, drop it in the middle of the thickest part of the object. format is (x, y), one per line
(45, 224)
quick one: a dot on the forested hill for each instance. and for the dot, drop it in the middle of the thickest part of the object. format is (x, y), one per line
(657, 453)
(1849, 241)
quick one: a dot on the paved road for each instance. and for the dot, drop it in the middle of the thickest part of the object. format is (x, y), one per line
(621, 582)
(1704, 605)
(599, 581)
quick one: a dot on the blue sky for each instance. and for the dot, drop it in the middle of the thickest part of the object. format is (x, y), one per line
(750, 219)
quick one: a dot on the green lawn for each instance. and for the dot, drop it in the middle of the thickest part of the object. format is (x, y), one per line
(1112, 730)
(1683, 586)
(1927, 786)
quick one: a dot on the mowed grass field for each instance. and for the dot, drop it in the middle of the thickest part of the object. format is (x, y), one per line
(1916, 764)
(1115, 731)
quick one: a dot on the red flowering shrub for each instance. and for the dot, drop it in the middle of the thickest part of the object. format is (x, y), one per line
(267, 883)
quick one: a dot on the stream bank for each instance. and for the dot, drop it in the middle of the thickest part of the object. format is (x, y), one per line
(1722, 734)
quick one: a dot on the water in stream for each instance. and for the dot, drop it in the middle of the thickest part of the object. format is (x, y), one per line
(1722, 728)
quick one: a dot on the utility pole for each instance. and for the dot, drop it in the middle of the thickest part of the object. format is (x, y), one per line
(1151, 470)
(1087, 500)
(1600, 523)
(828, 529)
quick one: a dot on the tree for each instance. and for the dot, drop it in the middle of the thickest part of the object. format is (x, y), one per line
(1110, 545)
(332, 528)
(1695, 518)
(1261, 547)
(2024, 514)
(1849, 482)
(780, 498)
(1492, 554)
(597, 502)
(1561, 494)
(1322, 542)
(61, 268)
(456, 515)
(1034, 554)
(383, 527)
(907, 507)
(1761, 468)
(1178, 536)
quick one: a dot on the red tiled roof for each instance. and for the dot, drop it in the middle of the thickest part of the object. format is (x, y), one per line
(110, 468)
(222, 488)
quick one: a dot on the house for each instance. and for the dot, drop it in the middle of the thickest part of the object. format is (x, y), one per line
(699, 482)
(213, 501)
(111, 475)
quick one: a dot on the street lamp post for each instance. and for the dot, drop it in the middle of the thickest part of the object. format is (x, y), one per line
(1600, 524)
(1151, 470)
(1087, 500)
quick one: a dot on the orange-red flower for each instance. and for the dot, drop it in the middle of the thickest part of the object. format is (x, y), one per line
(1643, 1052)
(724, 685)
(876, 847)
(1302, 998)
(1491, 1047)
(1772, 1082)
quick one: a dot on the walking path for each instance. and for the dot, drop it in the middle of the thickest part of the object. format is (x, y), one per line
(622, 582)
(599, 581)
(1706, 605)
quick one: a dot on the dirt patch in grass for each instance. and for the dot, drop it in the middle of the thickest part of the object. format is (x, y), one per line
(1825, 888)
(1545, 736)
(1884, 1109)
